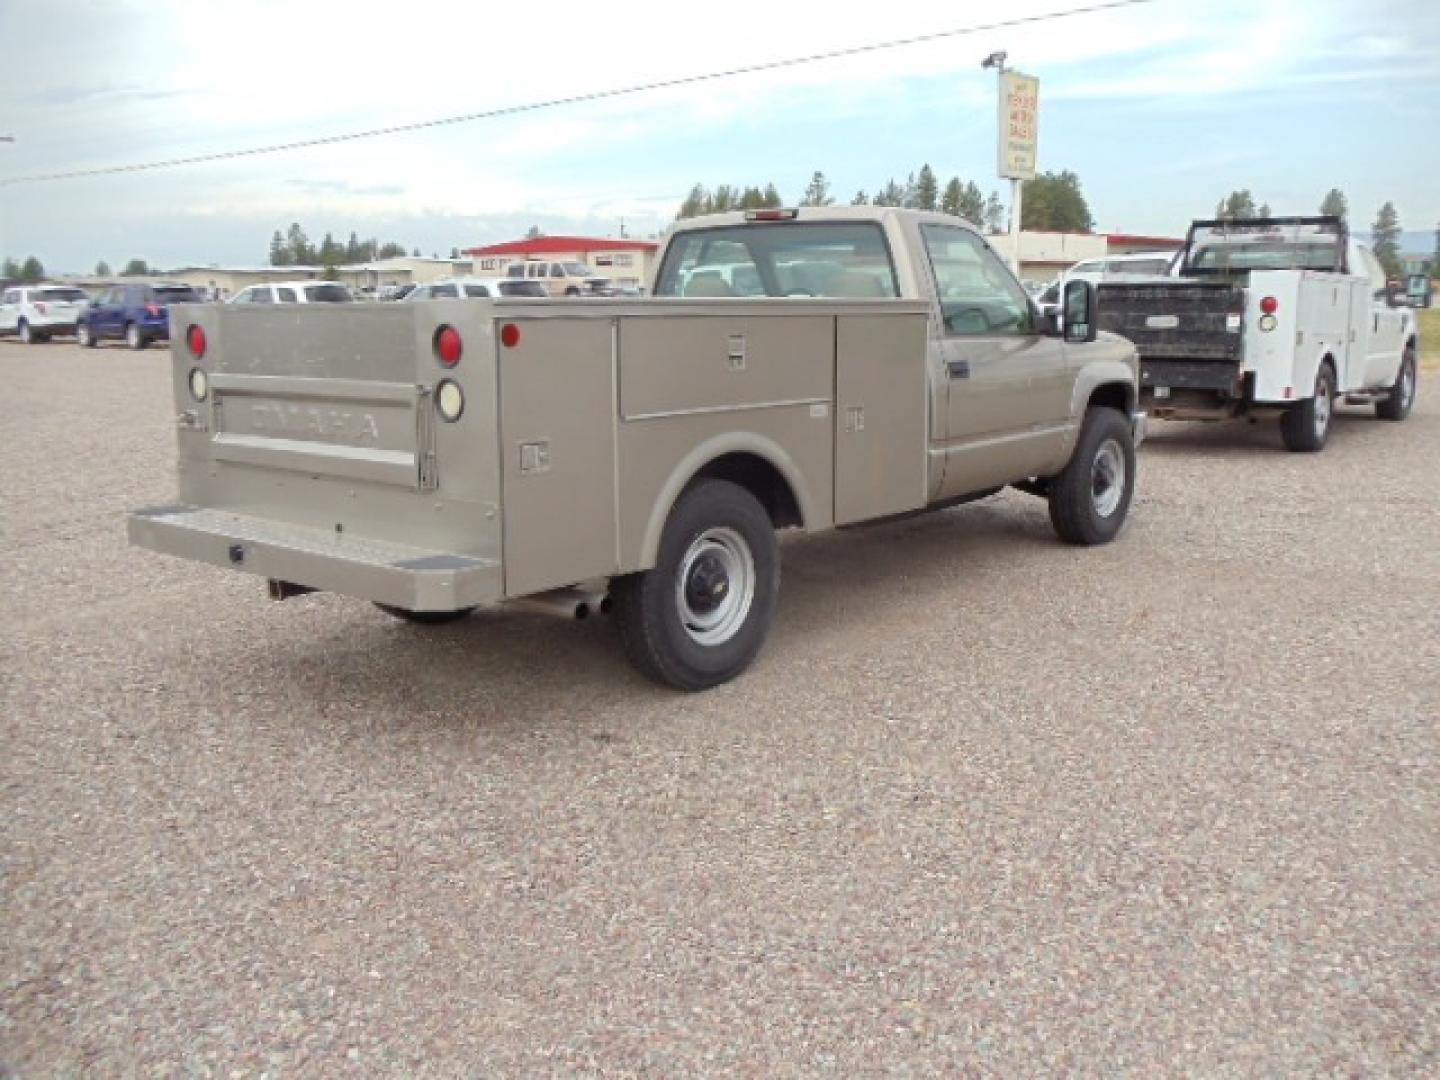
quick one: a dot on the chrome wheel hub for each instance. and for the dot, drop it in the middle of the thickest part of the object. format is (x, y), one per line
(715, 586)
(1107, 478)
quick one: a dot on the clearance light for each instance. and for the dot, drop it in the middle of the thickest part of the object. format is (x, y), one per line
(449, 401)
(448, 346)
(510, 335)
(1269, 305)
(772, 215)
(195, 339)
(199, 384)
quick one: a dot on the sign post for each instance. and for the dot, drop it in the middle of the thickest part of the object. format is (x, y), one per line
(1019, 131)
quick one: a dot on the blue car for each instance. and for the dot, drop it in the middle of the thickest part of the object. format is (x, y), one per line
(135, 314)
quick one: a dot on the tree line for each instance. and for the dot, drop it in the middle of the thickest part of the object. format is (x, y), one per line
(1052, 202)
(294, 248)
(32, 270)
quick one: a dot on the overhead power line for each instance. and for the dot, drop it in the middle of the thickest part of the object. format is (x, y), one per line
(576, 99)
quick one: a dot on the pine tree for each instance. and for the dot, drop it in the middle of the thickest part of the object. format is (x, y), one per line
(972, 204)
(950, 200)
(817, 192)
(353, 254)
(694, 204)
(32, 272)
(772, 197)
(1385, 239)
(1335, 203)
(135, 268)
(279, 252)
(301, 253)
(1239, 205)
(860, 199)
(102, 269)
(892, 194)
(927, 189)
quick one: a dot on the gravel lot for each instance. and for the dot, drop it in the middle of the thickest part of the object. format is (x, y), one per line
(986, 804)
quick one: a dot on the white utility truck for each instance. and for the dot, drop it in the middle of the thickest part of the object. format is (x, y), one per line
(1284, 315)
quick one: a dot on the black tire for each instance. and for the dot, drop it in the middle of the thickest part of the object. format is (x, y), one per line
(135, 337)
(700, 570)
(425, 618)
(24, 333)
(572, 291)
(1088, 500)
(1306, 427)
(85, 337)
(1402, 393)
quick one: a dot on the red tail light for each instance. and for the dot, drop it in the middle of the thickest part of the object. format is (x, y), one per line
(448, 346)
(40, 306)
(1269, 305)
(788, 214)
(510, 335)
(195, 338)
(154, 309)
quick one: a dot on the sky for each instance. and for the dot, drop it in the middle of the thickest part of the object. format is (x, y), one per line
(1161, 109)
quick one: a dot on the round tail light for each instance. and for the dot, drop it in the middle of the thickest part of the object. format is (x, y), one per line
(449, 401)
(1269, 305)
(510, 335)
(448, 346)
(195, 338)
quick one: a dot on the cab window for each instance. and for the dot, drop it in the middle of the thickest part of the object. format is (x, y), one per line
(978, 295)
(444, 292)
(477, 291)
(288, 296)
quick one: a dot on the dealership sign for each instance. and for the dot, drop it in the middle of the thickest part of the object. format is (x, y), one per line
(1019, 124)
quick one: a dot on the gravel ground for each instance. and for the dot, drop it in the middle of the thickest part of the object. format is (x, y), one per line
(986, 804)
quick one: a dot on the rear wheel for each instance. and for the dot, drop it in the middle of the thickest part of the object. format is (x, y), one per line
(425, 618)
(1090, 498)
(1306, 427)
(133, 337)
(699, 617)
(24, 333)
(1402, 394)
(84, 337)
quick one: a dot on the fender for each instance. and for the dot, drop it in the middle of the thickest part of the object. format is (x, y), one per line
(730, 442)
(1117, 362)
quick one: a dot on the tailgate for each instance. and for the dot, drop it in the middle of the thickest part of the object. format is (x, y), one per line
(322, 416)
(1183, 320)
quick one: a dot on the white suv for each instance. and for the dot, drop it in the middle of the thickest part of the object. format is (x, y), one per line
(36, 312)
(294, 292)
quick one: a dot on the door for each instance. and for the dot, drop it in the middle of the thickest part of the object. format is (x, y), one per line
(106, 319)
(9, 311)
(1385, 326)
(1007, 401)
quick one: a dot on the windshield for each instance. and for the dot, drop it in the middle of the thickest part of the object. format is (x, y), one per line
(1263, 255)
(522, 288)
(842, 259)
(328, 294)
(176, 294)
(61, 294)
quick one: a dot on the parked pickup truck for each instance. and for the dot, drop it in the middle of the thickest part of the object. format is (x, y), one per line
(1273, 314)
(638, 456)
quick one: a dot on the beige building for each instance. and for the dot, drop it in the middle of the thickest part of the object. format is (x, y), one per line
(402, 270)
(627, 263)
(226, 281)
(1045, 255)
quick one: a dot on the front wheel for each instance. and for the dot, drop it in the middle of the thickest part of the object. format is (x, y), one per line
(1090, 498)
(133, 337)
(1402, 393)
(85, 337)
(700, 616)
(1306, 427)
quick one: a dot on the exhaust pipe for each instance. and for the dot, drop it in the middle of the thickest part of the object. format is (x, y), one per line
(284, 590)
(566, 603)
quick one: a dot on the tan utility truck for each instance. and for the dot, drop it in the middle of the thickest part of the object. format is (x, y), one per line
(808, 368)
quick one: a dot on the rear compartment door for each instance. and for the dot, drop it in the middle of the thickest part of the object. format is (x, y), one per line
(1188, 333)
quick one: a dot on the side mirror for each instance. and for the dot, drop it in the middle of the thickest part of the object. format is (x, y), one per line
(1078, 305)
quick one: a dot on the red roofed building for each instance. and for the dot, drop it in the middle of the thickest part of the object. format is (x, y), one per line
(624, 262)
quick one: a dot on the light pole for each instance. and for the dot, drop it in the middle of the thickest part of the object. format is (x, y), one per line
(3, 139)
